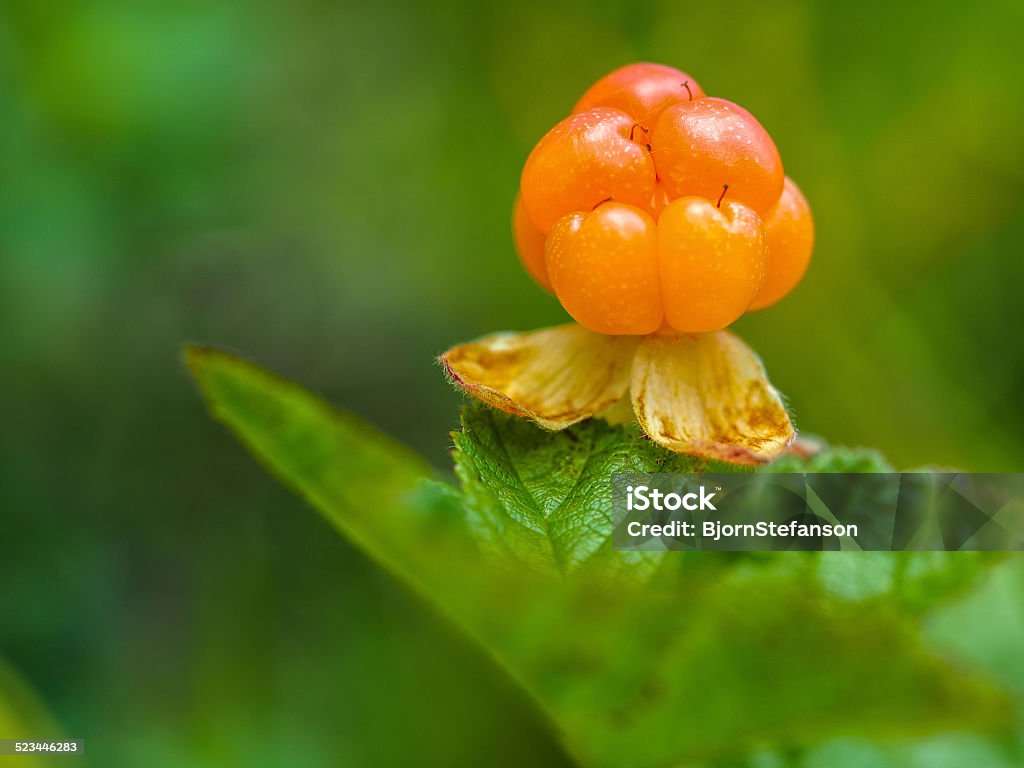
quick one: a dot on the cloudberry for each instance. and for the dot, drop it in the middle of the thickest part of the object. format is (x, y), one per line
(656, 208)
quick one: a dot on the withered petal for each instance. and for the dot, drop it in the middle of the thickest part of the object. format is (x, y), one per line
(555, 376)
(708, 395)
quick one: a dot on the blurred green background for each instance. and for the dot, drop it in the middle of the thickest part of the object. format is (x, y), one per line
(326, 188)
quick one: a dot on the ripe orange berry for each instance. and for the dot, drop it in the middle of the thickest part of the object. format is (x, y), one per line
(655, 208)
(529, 244)
(701, 146)
(603, 265)
(643, 91)
(712, 262)
(790, 230)
(584, 160)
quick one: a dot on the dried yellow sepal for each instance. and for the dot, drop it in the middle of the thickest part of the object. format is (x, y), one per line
(708, 395)
(555, 376)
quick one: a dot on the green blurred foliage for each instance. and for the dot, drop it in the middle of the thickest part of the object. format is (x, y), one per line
(22, 714)
(327, 186)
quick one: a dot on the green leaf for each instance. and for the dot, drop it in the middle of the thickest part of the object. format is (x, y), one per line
(543, 499)
(916, 581)
(833, 459)
(708, 657)
(755, 659)
(540, 497)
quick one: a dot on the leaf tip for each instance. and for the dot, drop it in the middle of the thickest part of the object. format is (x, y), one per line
(195, 356)
(201, 361)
